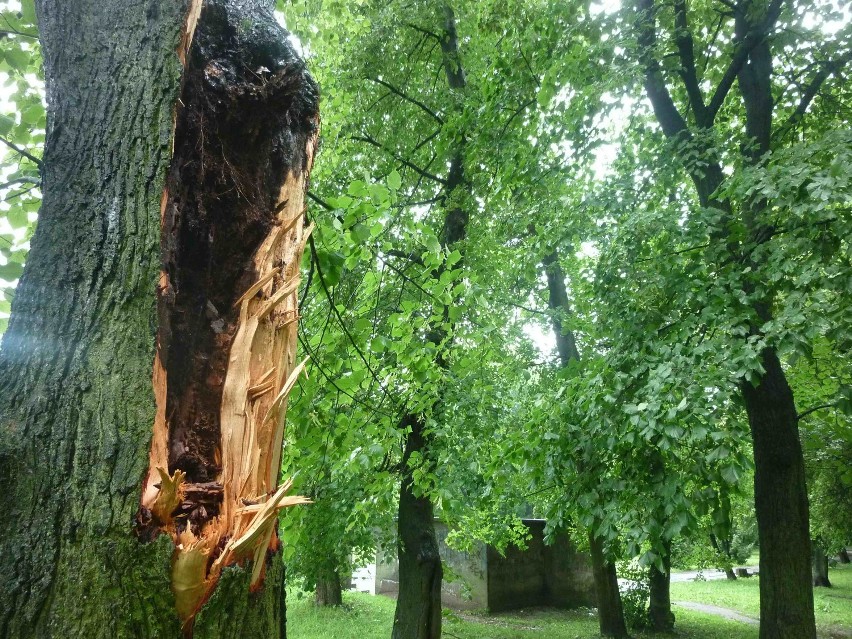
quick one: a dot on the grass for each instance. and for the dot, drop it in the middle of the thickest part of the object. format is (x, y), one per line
(367, 617)
(833, 606)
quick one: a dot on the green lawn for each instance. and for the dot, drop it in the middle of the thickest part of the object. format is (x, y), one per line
(367, 617)
(833, 606)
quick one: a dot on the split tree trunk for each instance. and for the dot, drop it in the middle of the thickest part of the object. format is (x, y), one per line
(660, 615)
(819, 567)
(158, 148)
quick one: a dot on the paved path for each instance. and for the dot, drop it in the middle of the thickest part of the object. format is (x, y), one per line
(727, 613)
(708, 574)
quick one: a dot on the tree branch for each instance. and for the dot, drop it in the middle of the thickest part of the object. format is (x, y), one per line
(432, 34)
(410, 165)
(827, 69)
(407, 98)
(686, 51)
(340, 318)
(23, 152)
(21, 180)
(655, 85)
(801, 416)
(752, 38)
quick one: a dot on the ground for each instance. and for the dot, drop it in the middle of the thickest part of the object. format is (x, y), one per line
(369, 617)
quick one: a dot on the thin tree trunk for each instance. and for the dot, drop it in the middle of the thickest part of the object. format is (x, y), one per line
(79, 401)
(660, 615)
(843, 556)
(329, 591)
(819, 567)
(730, 575)
(610, 611)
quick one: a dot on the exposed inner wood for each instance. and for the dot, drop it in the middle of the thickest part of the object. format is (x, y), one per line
(233, 236)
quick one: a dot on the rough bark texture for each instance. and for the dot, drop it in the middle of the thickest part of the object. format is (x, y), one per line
(660, 615)
(418, 607)
(819, 567)
(329, 590)
(786, 597)
(77, 408)
(610, 611)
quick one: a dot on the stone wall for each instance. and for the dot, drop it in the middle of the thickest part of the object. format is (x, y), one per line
(539, 575)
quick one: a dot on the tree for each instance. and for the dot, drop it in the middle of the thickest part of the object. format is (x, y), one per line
(741, 240)
(151, 347)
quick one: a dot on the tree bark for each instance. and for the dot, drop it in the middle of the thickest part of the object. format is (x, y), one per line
(660, 615)
(843, 556)
(329, 591)
(610, 611)
(819, 567)
(78, 413)
(418, 606)
(786, 598)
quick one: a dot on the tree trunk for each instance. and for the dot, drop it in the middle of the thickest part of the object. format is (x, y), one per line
(819, 567)
(843, 556)
(329, 590)
(610, 611)
(418, 607)
(725, 550)
(133, 235)
(786, 598)
(660, 616)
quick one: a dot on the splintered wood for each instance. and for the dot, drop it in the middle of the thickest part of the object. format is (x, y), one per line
(261, 371)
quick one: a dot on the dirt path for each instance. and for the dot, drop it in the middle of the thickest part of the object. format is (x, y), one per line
(727, 613)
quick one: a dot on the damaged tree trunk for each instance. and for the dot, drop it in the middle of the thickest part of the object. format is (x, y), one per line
(151, 348)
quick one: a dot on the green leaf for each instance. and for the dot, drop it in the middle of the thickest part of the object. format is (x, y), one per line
(18, 59)
(394, 181)
(6, 123)
(28, 12)
(17, 217)
(11, 271)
